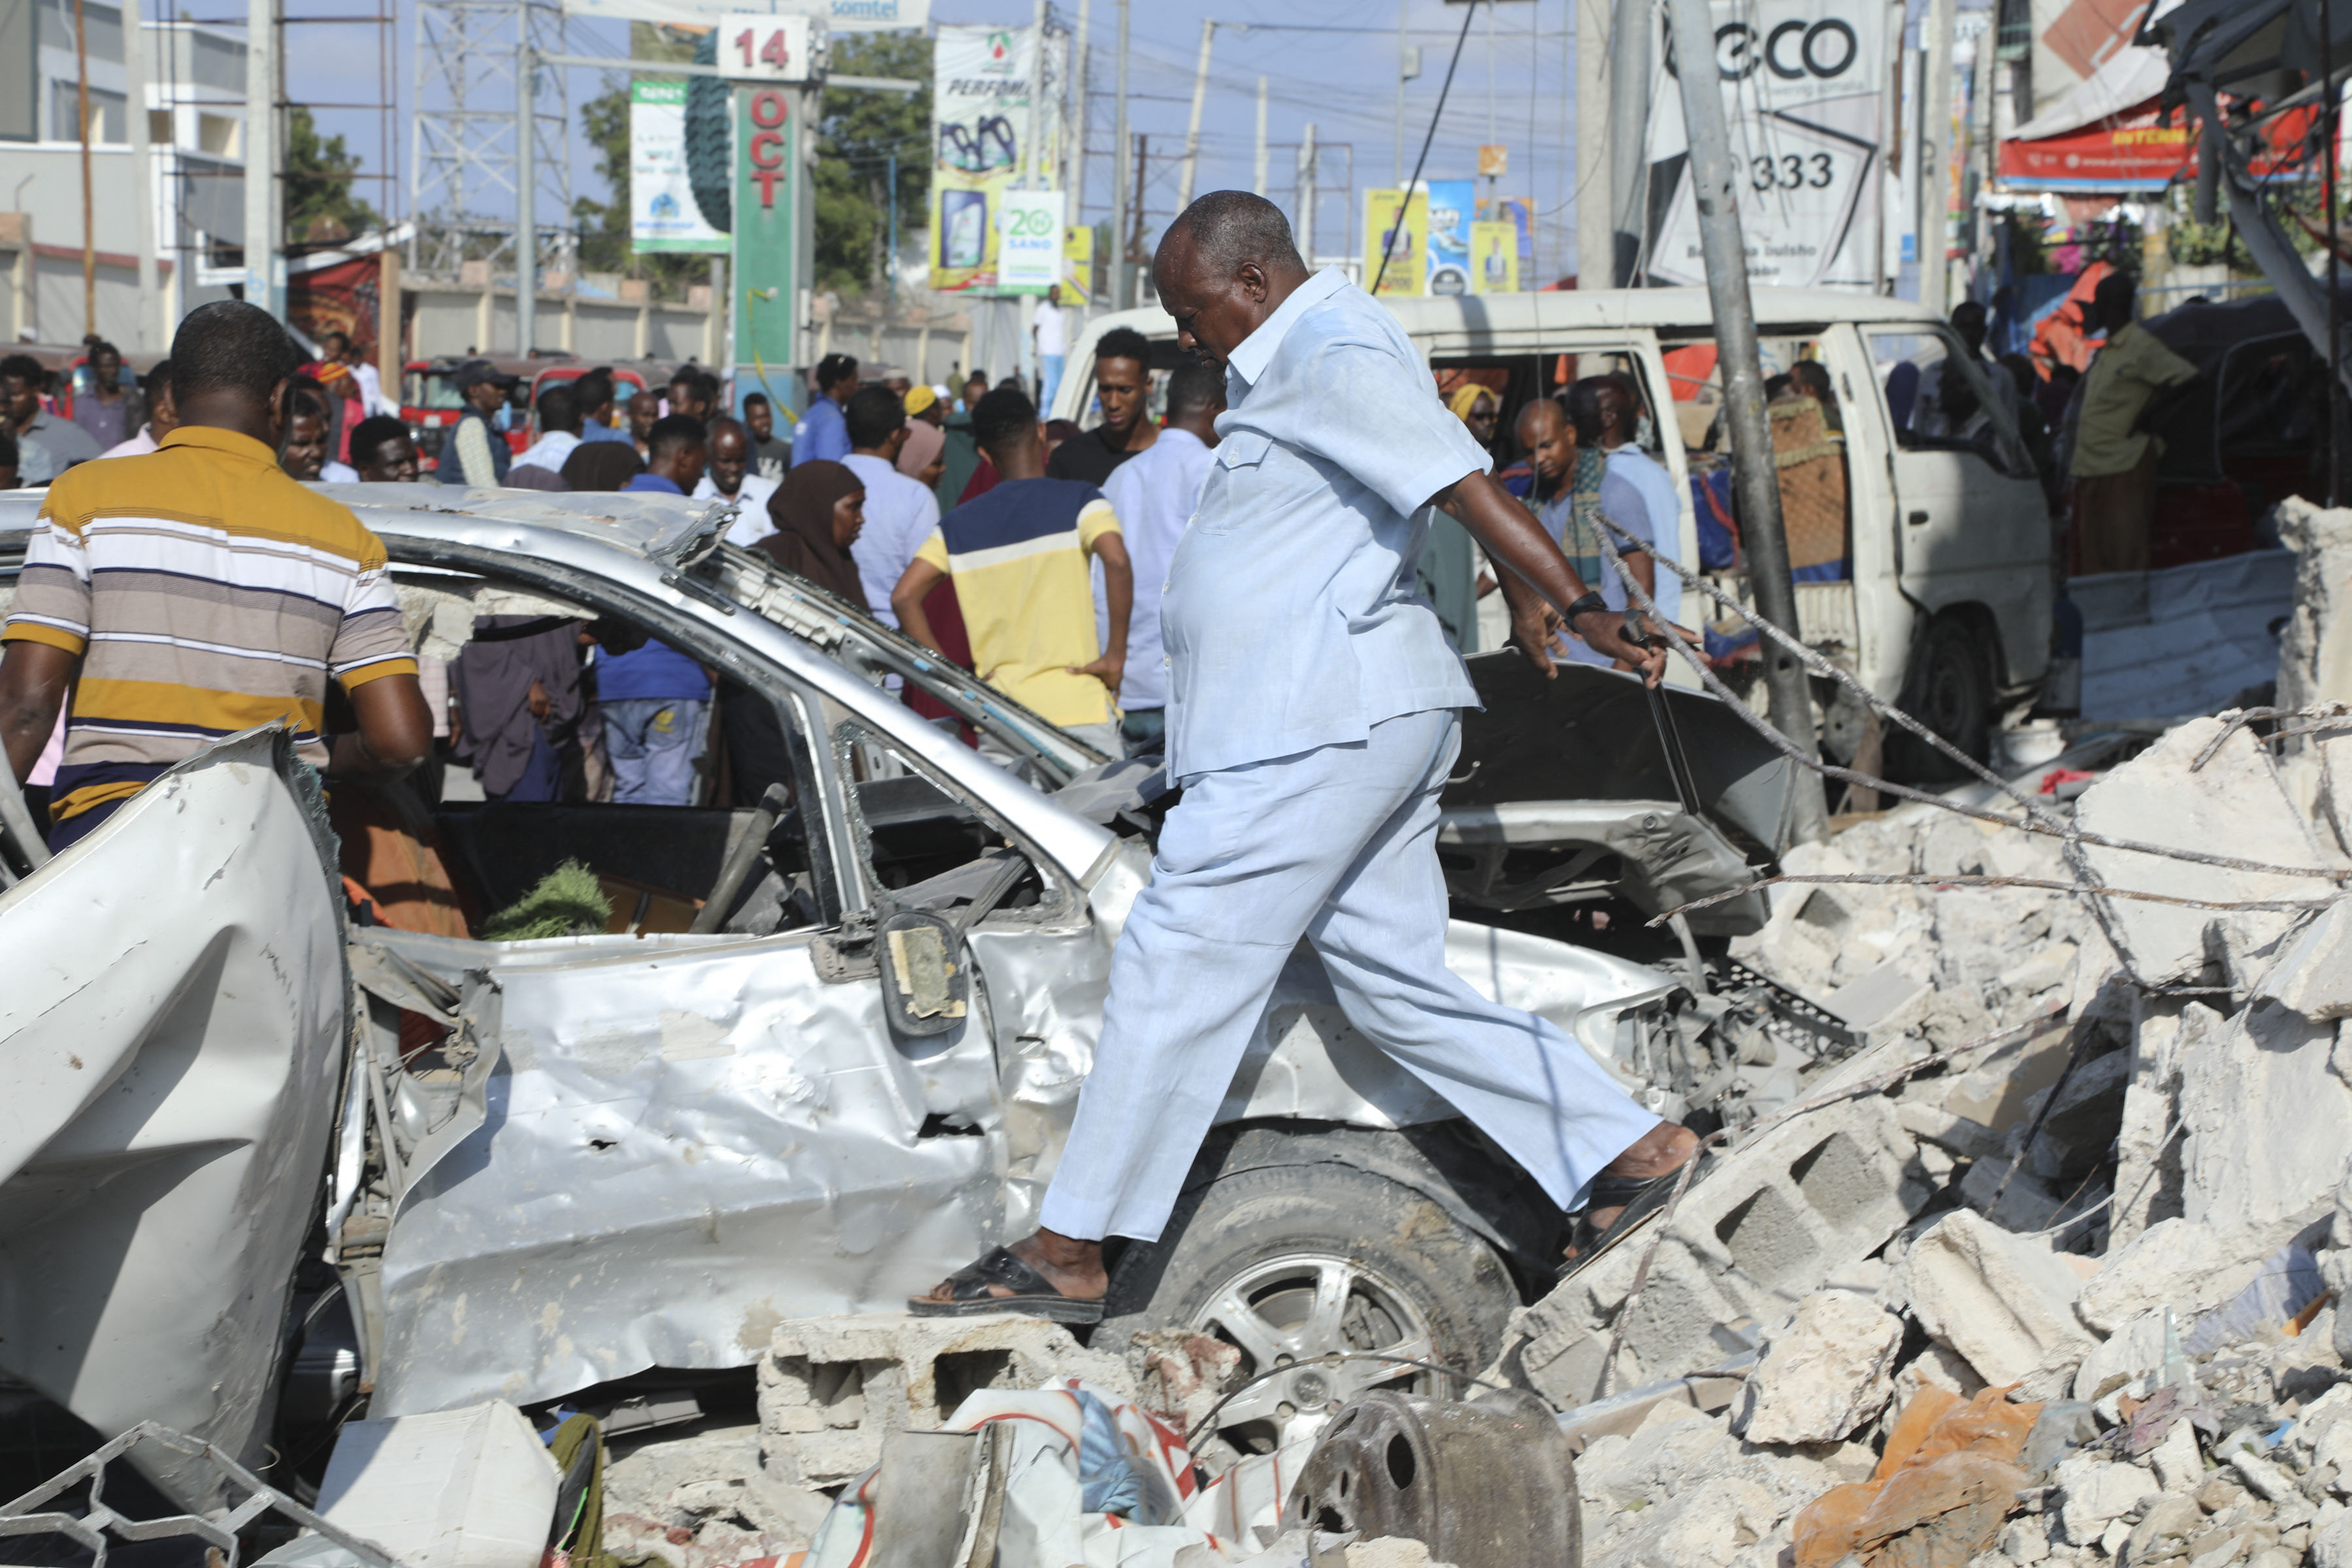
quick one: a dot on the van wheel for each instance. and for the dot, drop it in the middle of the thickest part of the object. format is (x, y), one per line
(1289, 1262)
(1949, 692)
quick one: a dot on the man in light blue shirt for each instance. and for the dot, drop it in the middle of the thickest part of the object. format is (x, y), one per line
(1637, 494)
(823, 432)
(1154, 494)
(1312, 721)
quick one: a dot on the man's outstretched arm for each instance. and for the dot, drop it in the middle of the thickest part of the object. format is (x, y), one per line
(1537, 573)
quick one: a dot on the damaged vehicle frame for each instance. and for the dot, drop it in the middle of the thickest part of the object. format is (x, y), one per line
(618, 1152)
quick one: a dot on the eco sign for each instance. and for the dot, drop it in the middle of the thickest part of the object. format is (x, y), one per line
(1801, 86)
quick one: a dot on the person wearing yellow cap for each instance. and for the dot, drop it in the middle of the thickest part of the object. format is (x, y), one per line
(922, 403)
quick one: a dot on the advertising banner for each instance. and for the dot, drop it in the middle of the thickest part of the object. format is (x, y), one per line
(1452, 206)
(2135, 152)
(1494, 258)
(662, 211)
(981, 85)
(1519, 212)
(769, 245)
(1029, 247)
(1801, 85)
(840, 15)
(1079, 265)
(1387, 214)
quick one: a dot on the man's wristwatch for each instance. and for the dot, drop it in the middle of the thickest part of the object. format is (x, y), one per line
(1589, 602)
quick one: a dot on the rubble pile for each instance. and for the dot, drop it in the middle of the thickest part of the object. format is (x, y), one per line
(2068, 1299)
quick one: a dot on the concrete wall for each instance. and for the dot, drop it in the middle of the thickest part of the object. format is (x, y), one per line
(449, 319)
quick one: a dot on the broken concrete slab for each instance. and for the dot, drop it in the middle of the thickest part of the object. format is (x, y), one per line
(2175, 1263)
(2265, 1114)
(454, 1489)
(1775, 1219)
(830, 1388)
(2091, 1493)
(2316, 650)
(1823, 1374)
(2234, 801)
(2314, 973)
(2005, 1302)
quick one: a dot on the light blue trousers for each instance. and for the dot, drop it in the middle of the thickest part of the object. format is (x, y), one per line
(1337, 845)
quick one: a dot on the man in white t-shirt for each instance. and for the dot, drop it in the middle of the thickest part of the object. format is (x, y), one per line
(900, 512)
(731, 476)
(1637, 494)
(1052, 332)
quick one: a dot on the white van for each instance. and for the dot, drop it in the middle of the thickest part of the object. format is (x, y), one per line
(1944, 605)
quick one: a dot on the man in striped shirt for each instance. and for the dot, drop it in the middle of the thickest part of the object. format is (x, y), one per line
(198, 591)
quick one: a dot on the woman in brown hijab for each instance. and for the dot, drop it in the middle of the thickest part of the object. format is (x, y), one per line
(819, 510)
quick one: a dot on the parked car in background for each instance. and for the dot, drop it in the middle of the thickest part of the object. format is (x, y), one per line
(429, 402)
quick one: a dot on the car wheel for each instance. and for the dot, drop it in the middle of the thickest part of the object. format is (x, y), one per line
(1949, 692)
(1290, 1262)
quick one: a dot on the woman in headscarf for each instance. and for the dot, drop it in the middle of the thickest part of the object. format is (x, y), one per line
(924, 457)
(819, 510)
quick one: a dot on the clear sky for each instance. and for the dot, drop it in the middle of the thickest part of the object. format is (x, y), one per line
(1341, 75)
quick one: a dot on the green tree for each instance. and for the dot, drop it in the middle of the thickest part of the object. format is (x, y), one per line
(320, 173)
(859, 131)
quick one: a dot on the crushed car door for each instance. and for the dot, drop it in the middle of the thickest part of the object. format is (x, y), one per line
(689, 1138)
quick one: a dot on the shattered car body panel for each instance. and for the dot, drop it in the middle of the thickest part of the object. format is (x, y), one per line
(174, 1022)
(628, 1151)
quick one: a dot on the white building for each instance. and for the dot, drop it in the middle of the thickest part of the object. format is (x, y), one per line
(195, 102)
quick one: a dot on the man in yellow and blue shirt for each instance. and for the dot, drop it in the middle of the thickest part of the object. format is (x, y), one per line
(1019, 556)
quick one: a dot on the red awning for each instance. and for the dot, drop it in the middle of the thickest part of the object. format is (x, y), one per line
(2132, 151)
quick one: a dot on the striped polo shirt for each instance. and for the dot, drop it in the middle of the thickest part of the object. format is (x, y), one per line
(205, 592)
(1019, 556)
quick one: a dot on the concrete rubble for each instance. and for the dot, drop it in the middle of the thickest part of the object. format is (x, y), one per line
(2067, 1298)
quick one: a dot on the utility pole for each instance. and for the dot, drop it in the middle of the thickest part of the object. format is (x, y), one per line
(1629, 147)
(1935, 153)
(89, 208)
(1257, 182)
(261, 152)
(152, 318)
(1122, 194)
(1755, 475)
(1404, 9)
(1192, 129)
(1134, 241)
(1306, 224)
(1073, 156)
(526, 198)
(1033, 171)
(1595, 265)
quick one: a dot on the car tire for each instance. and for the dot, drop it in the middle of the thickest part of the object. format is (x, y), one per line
(1949, 691)
(1251, 1256)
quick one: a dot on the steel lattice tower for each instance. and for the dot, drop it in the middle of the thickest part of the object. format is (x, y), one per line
(462, 169)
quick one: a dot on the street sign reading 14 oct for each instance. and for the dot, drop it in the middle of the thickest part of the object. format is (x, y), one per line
(759, 48)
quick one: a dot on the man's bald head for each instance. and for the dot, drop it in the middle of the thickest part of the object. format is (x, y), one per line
(1225, 265)
(1550, 443)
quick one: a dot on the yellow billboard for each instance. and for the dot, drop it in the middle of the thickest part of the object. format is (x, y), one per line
(1494, 258)
(1406, 242)
(1079, 265)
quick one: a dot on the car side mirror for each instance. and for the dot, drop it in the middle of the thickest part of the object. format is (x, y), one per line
(925, 991)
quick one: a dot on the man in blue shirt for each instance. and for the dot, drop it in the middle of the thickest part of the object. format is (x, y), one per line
(655, 701)
(1312, 722)
(1637, 494)
(823, 432)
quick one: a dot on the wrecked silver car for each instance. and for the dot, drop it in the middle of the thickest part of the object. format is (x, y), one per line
(535, 1166)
